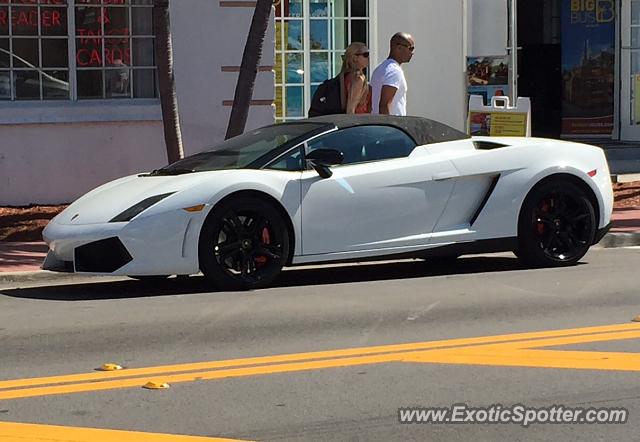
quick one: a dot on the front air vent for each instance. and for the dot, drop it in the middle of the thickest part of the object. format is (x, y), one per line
(104, 256)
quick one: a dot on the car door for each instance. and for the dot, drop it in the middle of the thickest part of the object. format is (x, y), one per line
(377, 199)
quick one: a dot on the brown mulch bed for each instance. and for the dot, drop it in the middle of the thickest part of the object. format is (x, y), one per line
(626, 195)
(26, 223)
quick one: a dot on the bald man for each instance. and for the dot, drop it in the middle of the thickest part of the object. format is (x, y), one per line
(388, 84)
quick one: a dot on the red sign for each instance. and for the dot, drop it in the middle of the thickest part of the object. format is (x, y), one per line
(28, 18)
(35, 2)
(117, 51)
(91, 56)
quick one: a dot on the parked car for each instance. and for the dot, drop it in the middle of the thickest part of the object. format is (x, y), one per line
(339, 188)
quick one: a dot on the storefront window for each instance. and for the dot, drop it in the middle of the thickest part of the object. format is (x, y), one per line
(311, 36)
(76, 49)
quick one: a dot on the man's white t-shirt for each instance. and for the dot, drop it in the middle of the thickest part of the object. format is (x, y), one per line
(389, 73)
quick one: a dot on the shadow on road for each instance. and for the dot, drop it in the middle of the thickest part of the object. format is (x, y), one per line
(293, 277)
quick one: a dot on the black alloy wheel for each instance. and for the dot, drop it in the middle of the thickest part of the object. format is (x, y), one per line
(244, 244)
(557, 225)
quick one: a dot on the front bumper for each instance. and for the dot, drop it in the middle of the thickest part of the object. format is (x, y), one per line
(164, 244)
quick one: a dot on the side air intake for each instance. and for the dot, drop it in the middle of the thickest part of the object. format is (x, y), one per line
(104, 256)
(488, 145)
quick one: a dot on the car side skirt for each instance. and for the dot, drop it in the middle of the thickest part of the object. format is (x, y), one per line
(493, 245)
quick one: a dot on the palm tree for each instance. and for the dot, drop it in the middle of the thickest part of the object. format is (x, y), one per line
(166, 81)
(249, 68)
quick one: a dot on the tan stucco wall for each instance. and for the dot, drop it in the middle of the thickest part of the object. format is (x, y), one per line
(55, 152)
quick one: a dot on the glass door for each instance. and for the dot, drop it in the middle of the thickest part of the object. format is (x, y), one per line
(630, 70)
(311, 36)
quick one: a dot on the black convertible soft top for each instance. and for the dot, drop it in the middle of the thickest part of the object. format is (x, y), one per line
(422, 130)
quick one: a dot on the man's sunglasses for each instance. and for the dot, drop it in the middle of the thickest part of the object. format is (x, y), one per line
(411, 48)
(364, 54)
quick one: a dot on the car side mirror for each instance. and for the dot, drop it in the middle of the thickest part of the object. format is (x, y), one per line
(322, 159)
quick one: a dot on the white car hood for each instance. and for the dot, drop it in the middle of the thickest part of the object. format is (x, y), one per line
(109, 200)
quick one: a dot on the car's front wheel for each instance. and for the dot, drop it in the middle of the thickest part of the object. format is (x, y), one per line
(243, 244)
(557, 225)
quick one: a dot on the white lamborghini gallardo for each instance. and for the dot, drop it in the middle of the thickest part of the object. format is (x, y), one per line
(339, 188)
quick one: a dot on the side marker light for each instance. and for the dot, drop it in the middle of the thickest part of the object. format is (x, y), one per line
(197, 208)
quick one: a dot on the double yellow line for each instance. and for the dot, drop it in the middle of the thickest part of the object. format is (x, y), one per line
(510, 350)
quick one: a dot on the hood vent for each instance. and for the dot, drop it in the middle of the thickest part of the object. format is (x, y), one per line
(488, 145)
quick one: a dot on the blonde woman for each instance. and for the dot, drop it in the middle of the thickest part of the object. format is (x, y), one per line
(358, 95)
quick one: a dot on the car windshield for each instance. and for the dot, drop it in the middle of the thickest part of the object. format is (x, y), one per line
(239, 152)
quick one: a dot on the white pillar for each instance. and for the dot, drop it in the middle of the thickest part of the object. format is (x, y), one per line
(512, 49)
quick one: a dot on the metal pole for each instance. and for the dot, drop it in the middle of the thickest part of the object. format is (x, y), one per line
(512, 7)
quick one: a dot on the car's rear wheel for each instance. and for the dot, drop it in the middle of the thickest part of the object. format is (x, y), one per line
(244, 244)
(557, 225)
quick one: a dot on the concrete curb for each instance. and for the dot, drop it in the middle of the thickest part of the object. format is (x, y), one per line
(9, 279)
(625, 178)
(620, 239)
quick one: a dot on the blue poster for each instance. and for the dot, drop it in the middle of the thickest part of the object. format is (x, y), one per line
(588, 44)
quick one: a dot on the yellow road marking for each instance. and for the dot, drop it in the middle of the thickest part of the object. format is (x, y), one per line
(537, 359)
(159, 370)
(528, 354)
(14, 432)
(509, 350)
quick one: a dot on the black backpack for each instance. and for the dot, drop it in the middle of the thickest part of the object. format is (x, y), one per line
(328, 98)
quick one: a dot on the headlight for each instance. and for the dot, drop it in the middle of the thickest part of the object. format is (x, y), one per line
(137, 209)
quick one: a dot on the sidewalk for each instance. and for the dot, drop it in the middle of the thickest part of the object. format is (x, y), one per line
(21, 256)
(28, 256)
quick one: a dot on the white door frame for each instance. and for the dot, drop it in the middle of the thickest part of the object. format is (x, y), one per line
(629, 119)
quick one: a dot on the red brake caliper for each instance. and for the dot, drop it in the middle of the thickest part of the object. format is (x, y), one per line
(266, 239)
(544, 208)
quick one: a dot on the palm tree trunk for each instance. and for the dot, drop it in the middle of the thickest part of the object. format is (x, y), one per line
(166, 81)
(249, 68)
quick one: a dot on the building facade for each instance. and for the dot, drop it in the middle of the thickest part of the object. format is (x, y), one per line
(78, 92)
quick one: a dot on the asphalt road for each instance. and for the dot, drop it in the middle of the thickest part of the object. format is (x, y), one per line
(351, 395)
